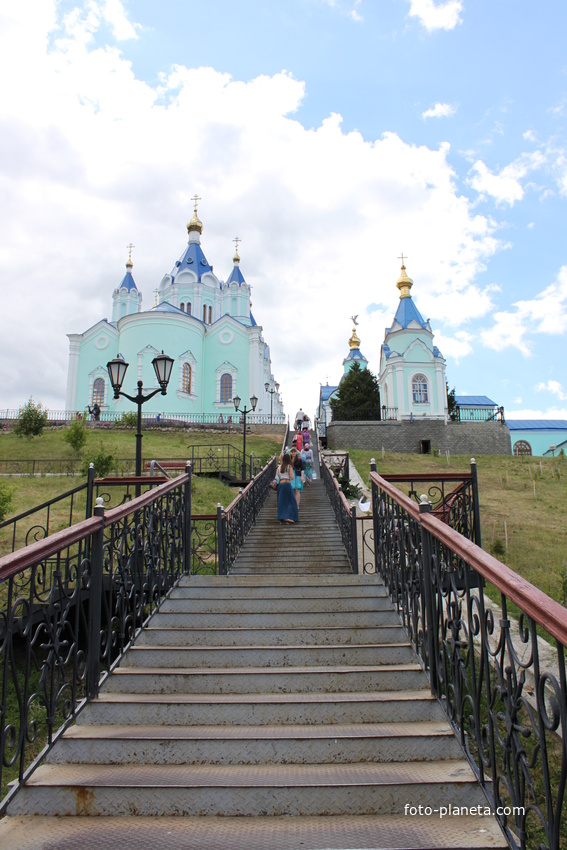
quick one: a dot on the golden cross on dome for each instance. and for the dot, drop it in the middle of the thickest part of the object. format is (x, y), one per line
(195, 199)
(402, 258)
(236, 240)
(130, 246)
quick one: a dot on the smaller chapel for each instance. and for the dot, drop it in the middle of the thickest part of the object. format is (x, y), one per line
(205, 324)
(411, 377)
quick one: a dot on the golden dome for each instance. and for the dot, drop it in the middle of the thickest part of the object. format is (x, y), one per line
(404, 284)
(236, 258)
(195, 224)
(354, 341)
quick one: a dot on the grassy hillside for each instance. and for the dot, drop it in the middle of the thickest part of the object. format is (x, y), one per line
(29, 491)
(534, 521)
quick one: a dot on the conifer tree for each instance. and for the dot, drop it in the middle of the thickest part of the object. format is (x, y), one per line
(358, 396)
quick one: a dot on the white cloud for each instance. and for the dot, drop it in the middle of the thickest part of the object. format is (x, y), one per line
(532, 413)
(505, 187)
(440, 110)
(92, 158)
(455, 347)
(544, 314)
(434, 16)
(553, 387)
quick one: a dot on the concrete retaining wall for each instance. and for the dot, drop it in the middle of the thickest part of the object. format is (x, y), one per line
(472, 438)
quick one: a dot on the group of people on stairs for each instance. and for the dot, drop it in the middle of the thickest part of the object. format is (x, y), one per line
(295, 468)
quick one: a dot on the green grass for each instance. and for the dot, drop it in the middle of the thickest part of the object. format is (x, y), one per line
(29, 491)
(535, 526)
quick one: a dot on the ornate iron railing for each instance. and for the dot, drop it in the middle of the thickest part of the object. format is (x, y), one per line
(367, 414)
(505, 698)
(344, 514)
(68, 508)
(61, 417)
(235, 522)
(453, 496)
(71, 604)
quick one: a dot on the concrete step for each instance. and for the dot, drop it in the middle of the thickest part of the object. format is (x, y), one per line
(353, 655)
(294, 635)
(321, 619)
(287, 604)
(261, 709)
(268, 744)
(311, 590)
(246, 790)
(341, 832)
(280, 581)
(258, 680)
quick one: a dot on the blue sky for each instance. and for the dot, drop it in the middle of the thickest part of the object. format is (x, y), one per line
(329, 135)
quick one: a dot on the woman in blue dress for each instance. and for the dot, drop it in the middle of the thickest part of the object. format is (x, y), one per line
(287, 505)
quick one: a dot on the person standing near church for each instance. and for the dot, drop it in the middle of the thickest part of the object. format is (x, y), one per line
(299, 418)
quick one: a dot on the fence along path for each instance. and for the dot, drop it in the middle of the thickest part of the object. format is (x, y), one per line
(260, 710)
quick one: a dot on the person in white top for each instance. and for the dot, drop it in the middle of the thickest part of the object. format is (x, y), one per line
(299, 418)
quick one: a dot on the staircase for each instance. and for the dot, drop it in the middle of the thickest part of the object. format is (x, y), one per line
(314, 547)
(274, 711)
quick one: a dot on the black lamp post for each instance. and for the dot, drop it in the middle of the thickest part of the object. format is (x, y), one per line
(251, 409)
(272, 394)
(117, 370)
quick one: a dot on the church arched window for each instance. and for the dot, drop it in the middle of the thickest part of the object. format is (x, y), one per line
(189, 307)
(186, 378)
(205, 313)
(182, 306)
(210, 315)
(522, 449)
(419, 389)
(226, 388)
(98, 392)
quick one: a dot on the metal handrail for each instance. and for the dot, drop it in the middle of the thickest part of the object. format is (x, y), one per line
(236, 521)
(345, 515)
(71, 604)
(506, 700)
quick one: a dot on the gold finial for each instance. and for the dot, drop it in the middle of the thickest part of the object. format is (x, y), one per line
(354, 341)
(130, 264)
(195, 224)
(236, 258)
(404, 283)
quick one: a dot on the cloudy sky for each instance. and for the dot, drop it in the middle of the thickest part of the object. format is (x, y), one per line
(330, 136)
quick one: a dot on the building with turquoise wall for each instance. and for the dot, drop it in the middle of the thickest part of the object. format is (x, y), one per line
(540, 437)
(205, 324)
(412, 369)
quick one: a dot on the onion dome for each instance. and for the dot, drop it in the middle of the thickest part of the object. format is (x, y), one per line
(195, 224)
(404, 283)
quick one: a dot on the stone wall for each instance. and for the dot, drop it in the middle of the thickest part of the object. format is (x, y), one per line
(470, 438)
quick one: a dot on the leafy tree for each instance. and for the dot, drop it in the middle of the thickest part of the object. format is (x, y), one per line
(5, 500)
(103, 462)
(451, 403)
(358, 396)
(75, 435)
(31, 420)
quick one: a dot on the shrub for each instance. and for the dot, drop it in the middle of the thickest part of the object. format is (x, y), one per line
(103, 463)
(5, 500)
(31, 420)
(75, 435)
(129, 419)
(498, 549)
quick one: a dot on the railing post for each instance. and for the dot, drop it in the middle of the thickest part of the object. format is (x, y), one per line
(373, 465)
(90, 491)
(429, 624)
(354, 561)
(476, 503)
(222, 544)
(187, 522)
(95, 604)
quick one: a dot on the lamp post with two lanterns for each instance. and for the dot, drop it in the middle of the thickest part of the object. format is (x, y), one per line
(253, 402)
(117, 370)
(272, 394)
